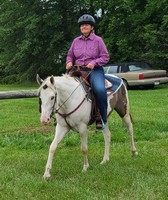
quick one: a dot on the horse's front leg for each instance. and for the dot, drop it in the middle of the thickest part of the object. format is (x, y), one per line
(59, 134)
(84, 148)
(107, 139)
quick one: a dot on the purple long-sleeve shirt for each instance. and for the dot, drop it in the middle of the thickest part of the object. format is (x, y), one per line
(88, 51)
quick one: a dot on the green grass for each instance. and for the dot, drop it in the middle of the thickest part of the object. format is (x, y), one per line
(23, 86)
(24, 145)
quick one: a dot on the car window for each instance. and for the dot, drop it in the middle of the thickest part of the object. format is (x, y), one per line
(144, 65)
(113, 69)
(124, 68)
(134, 68)
(105, 69)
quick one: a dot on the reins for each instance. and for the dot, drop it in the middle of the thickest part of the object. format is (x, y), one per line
(83, 81)
(65, 115)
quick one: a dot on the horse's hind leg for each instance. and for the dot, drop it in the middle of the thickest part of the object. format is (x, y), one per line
(59, 134)
(122, 108)
(128, 123)
(107, 139)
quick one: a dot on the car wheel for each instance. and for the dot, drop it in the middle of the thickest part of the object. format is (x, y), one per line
(125, 83)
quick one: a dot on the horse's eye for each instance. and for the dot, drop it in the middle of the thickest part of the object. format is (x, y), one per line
(52, 97)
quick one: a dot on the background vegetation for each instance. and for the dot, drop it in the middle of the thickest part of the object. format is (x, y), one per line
(24, 145)
(36, 34)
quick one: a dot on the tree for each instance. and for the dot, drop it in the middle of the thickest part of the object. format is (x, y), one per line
(36, 34)
(136, 30)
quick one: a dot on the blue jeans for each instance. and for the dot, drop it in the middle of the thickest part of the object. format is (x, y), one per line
(97, 81)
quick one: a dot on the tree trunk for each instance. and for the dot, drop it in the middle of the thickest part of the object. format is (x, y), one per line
(18, 94)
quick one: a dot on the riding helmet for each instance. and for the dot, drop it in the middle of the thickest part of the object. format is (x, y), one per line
(86, 19)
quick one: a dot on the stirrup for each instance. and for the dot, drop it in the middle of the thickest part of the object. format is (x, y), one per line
(100, 125)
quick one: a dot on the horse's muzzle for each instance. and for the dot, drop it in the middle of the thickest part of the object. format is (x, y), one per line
(45, 120)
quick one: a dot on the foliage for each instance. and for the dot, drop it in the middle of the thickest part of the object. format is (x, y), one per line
(35, 35)
(136, 30)
(24, 145)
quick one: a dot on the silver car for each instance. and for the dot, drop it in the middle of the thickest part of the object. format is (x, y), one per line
(137, 74)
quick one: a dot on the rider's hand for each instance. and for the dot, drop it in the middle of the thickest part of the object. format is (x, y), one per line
(90, 66)
(69, 65)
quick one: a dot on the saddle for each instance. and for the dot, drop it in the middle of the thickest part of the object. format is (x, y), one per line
(77, 71)
(83, 77)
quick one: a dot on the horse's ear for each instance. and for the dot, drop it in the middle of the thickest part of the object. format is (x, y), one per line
(39, 80)
(52, 80)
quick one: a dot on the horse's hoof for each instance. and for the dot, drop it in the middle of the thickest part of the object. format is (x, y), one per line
(104, 161)
(46, 176)
(85, 167)
(134, 153)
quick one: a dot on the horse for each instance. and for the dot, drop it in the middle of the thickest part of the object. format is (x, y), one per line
(65, 97)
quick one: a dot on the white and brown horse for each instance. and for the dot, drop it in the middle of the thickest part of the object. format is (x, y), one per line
(65, 97)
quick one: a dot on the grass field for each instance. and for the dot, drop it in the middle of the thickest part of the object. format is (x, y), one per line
(24, 145)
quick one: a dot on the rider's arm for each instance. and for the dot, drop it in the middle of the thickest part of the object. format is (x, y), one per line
(103, 56)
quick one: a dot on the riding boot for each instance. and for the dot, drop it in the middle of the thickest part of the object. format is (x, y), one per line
(99, 122)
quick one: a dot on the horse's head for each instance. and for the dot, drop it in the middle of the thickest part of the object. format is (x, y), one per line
(47, 98)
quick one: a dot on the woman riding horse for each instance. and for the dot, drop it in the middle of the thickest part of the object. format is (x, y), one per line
(89, 51)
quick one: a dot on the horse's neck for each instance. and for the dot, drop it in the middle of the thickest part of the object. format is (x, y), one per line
(68, 90)
(65, 85)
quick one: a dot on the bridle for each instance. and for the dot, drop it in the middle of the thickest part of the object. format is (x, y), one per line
(56, 111)
(53, 107)
(65, 115)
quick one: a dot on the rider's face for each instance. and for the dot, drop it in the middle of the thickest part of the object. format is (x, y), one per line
(86, 29)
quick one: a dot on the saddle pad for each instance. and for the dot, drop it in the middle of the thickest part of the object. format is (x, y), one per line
(115, 81)
(115, 85)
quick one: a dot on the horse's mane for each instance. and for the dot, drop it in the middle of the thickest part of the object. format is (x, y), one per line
(49, 84)
(66, 75)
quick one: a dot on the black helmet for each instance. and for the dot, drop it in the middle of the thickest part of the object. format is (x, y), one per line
(86, 19)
